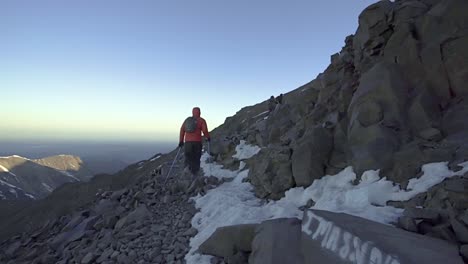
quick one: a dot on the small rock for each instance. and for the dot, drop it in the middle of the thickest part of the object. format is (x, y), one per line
(456, 185)
(432, 134)
(444, 232)
(212, 180)
(115, 254)
(422, 213)
(408, 224)
(88, 258)
(168, 199)
(464, 217)
(461, 231)
(170, 257)
(464, 252)
(191, 232)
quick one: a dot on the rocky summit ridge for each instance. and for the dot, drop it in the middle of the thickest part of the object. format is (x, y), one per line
(393, 99)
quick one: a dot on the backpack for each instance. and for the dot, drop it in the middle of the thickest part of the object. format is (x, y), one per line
(190, 124)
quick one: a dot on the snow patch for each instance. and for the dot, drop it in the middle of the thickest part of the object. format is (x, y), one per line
(48, 188)
(14, 156)
(245, 151)
(155, 158)
(262, 113)
(66, 173)
(216, 170)
(9, 185)
(30, 196)
(234, 202)
(4, 169)
(13, 191)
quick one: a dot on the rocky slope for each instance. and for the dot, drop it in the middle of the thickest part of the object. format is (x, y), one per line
(394, 98)
(22, 178)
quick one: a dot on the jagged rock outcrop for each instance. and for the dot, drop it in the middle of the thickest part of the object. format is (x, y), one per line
(392, 99)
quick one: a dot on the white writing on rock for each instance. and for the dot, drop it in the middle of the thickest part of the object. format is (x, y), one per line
(348, 247)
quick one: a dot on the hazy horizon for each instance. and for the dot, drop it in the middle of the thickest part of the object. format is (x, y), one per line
(109, 155)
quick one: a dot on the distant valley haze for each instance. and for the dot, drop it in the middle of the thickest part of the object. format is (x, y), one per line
(100, 157)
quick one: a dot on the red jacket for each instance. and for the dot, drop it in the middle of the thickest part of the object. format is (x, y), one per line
(201, 127)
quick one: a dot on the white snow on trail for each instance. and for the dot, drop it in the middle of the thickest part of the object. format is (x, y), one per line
(244, 151)
(234, 202)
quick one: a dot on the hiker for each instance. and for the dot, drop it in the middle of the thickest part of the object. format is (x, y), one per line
(279, 99)
(191, 130)
(271, 104)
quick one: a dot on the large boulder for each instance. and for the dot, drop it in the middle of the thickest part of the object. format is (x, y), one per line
(270, 172)
(456, 63)
(229, 240)
(277, 241)
(329, 237)
(310, 156)
(374, 137)
(278, 122)
(424, 113)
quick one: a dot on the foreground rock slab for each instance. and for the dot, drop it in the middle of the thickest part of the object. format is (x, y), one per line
(277, 241)
(340, 238)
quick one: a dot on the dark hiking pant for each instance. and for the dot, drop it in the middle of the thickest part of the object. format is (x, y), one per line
(193, 151)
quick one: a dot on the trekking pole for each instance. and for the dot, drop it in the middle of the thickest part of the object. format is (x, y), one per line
(167, 176)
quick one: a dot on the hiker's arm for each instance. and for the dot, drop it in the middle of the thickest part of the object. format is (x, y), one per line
(205, 129)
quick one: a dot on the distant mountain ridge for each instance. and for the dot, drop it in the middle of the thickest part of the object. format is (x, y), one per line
(22, 178)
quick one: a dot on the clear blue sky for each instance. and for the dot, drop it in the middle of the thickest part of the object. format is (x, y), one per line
(133, 70)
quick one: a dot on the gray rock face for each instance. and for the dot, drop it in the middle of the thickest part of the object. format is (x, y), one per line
(310, 156)
(277, 241)
(270, 172)
(339, 238)
(227, 241)
(372, 144)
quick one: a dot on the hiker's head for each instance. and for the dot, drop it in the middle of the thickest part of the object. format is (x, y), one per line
(196, 112)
